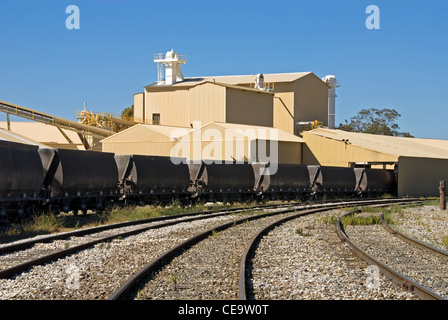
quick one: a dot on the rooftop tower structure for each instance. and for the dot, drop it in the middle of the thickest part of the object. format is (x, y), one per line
(168, 67)
(331, 81)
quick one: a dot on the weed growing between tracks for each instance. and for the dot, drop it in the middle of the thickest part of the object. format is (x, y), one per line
(367, 216)
(49, 223)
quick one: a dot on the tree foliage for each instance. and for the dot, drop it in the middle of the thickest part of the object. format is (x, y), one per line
(375, 121)
(126, 114)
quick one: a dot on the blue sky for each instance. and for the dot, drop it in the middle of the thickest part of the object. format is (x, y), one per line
(403, 65)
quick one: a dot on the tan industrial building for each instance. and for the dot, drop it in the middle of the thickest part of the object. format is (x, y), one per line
(182, 104)
(421, 163)
(273, 100)
(234, 142)
(248, 118)
(48, 135)
(10, 136)
(217, 107)
(213, 141)
(145, 140)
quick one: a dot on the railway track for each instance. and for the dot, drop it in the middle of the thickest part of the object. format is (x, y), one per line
(64, 244)
(142, 241)
(302, 258)
(118, 268)
(133, 288)
(417, 267)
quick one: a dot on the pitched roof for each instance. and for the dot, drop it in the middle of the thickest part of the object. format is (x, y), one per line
(234, 87)
(169, 131)
(237, 79)
(398, 146)
(257, 132)
(7, 135)
(42, 132)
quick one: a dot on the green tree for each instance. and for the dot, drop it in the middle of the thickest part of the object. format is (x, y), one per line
(375, 121)
(128, 113)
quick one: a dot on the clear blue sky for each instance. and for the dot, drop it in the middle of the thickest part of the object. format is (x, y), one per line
(403, 65)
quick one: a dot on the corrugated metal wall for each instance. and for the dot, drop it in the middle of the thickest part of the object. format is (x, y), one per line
(173, 105)
(329, 152)
(207, 103)
(139, 107)
(421, 176)
(142, 148)
(211, 142)
(139, 140)
(249, 107)
(311, 99)
(305, 99)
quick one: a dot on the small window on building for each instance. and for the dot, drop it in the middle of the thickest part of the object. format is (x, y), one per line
(156, 118)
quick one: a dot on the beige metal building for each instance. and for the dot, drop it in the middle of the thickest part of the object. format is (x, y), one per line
(278, 100)
(213, 141)
(48, 135)
(7, 135)
(421, 163)
(183, 103)
(145, 140)
(234, 142)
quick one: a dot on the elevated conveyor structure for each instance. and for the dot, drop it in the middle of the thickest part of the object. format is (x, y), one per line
(84, 131)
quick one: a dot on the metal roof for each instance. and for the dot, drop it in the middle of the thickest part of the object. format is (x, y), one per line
(237, 79)
(256, 132)
(234, 87)
(169, 131)
(397, 146)
(7, 135)
(253, 132)
(42, 132)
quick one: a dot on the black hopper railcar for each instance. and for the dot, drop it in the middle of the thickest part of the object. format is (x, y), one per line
(223, 181)
(332, 182)
(21, 180)
(55, 180)
(153, 179)
(78, 180)
(284, 181)
(375, 182)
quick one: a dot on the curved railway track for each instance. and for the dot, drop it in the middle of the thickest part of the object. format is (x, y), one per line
(280, 251)
(161, 244)
(411, 240)
(89, 237)
(397, 259)
(130, 250)
(133, 288)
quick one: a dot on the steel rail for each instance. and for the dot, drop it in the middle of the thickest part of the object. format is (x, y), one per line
(86, 231)
(161, 260)
(246, 256)
(411, 240)
(169, 254)
(6, 273)
(398, 278)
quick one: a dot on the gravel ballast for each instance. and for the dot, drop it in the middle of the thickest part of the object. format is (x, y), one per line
(301, 259)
